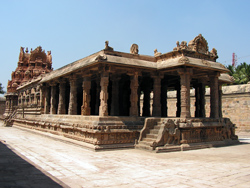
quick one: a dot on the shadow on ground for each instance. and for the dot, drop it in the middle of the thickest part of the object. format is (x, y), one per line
(17, 172)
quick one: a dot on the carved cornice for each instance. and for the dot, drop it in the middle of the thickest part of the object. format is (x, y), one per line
(184, 60)
(101, 58)
(206, 63)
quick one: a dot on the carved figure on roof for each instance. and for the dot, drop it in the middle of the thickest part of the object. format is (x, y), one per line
(134, 49)
(39, 49)
(107, 47)
(49, 57)
(21, 53)
(199, 44)
(177, 46)
(214, 52)
(156, 53)
(183, 45)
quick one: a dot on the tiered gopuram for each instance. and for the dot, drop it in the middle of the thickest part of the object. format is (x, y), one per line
(29, 66)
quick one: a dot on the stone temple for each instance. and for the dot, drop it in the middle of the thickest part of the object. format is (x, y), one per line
(105, 99)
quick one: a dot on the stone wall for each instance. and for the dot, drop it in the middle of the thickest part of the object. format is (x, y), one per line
(2, 105)
(235, 104)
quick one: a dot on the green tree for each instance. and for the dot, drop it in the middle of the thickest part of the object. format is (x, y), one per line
(1, 89)
(241, 73)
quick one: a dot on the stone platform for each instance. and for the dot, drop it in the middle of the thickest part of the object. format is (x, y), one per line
(101, 132)
(154, 134)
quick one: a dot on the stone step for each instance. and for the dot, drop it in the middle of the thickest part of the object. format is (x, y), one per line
(145, 142)
(157, 127)
(154, 131)
(150, 140)
(152, 135)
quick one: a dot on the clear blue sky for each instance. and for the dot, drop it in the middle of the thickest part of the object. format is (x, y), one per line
(74, 29)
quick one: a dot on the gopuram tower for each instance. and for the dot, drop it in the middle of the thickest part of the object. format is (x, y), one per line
(30, 66)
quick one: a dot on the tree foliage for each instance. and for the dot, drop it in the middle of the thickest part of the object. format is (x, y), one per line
(1, 89)
(241, 73)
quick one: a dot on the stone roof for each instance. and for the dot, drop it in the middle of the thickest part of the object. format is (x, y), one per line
(71, 67)
(132, 60)
(193, 62)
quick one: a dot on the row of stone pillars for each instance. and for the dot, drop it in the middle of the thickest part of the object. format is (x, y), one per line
(159, 99)
(215, 95)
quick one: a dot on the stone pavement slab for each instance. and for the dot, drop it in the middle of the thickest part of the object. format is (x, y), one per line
(69, 164)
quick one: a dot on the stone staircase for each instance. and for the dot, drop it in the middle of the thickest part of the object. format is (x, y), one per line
(9, 119)
(150, 136)
(159, 135)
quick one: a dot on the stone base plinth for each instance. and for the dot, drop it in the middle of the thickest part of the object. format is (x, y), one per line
(102, 132)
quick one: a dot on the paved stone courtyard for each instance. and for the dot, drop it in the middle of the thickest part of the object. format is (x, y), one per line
(34, 159)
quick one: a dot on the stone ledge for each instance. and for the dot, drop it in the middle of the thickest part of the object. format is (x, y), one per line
(195, 146)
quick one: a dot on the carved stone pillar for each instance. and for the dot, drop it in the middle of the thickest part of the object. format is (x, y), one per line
(214, 95)
(47, 100)
(23, 100)
(53, 99)
(61, 104)
(104, 82)
(38, 99)
(185, 76)
(115, 96)
(157, 96)
(73, 96)
(11, 103)
(97, 99)
(42, 98)
(86, 86)
(134, 95)
(220, 101)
